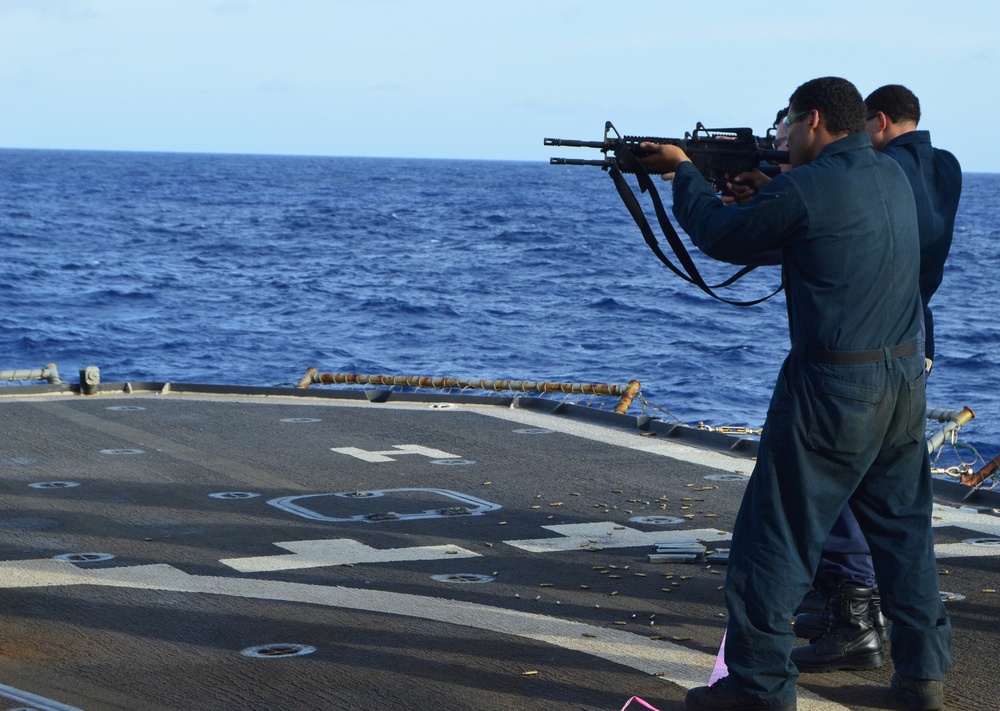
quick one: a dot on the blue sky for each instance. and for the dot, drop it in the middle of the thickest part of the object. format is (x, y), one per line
(468, 78)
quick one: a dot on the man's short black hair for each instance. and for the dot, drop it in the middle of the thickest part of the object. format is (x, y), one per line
(782, 113)
(838, 100)
(895, 101)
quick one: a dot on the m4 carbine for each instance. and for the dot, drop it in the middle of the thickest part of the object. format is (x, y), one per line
(719, 154)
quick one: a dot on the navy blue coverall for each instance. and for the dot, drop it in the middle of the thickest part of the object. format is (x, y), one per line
(835, 432)
(936, 179)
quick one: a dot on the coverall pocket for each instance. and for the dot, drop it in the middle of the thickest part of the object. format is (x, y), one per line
(842, 417)
(917, 407)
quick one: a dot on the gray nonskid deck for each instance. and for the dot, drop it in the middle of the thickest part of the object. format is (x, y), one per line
(257, 551)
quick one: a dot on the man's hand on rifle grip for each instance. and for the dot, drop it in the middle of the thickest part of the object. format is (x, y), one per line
(744, 186)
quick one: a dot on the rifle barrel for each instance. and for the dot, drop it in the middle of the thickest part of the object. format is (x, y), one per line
(572, 143)
(580, 161)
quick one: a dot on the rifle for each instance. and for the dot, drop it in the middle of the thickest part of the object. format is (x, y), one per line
(719, 154)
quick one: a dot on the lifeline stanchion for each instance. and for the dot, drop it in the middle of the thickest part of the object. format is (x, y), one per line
(48, 373)
(953, 421)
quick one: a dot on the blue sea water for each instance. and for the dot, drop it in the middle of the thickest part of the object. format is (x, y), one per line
(250, 269)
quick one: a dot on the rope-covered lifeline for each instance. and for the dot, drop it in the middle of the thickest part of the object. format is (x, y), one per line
(626, 392)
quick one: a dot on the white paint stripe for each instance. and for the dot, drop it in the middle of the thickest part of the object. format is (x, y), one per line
(964, 550)
(33, 700)
(382, 457)
(969, 518)
(622, 437)
(604, 534)
(684, 667)
(340, 551)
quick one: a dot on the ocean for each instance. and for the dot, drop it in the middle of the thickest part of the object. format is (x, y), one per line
(240, 269)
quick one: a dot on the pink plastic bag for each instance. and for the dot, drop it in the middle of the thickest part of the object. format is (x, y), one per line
(720, 669)
(640, 702)
(718, 672)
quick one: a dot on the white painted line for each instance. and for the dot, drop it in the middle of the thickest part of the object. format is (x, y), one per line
(397, 449)
(33, 700)
(686, 668)
(604, 534)
(969, 518)
(473, 506)
(964, 550)
(340, 551)
(623, 437)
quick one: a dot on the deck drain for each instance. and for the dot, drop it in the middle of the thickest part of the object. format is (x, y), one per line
(54, 485)
(383, 516)
(125, 408)
(657, 520)
(951, 597)
(452, 462)
(234, 495)
(443, 406)
(463, 578)
(83, 557)
(120, 452)
(983, 542)
(530, 431)
(727, 477)
(300, 420)
(273, 651)
(359, 494)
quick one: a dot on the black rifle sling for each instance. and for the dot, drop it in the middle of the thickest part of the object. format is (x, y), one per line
(692, 274)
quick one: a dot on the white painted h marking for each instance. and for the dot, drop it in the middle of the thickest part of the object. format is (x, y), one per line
(397, 449)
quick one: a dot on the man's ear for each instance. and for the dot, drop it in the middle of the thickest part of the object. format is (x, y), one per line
(883, 121)
(814, 121)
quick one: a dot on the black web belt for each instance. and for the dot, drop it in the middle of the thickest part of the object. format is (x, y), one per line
(857, 357)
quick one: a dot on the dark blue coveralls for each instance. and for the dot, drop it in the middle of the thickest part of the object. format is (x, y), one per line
(835, 432)
(936, 179)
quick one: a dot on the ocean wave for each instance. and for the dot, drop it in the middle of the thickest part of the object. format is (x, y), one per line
(252, 268)
(122, 294)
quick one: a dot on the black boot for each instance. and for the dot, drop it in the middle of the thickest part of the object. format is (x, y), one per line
(810, 625)
(814, 601)
(850, 640)
(919, 694)
(724, 695)
(878, 619)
